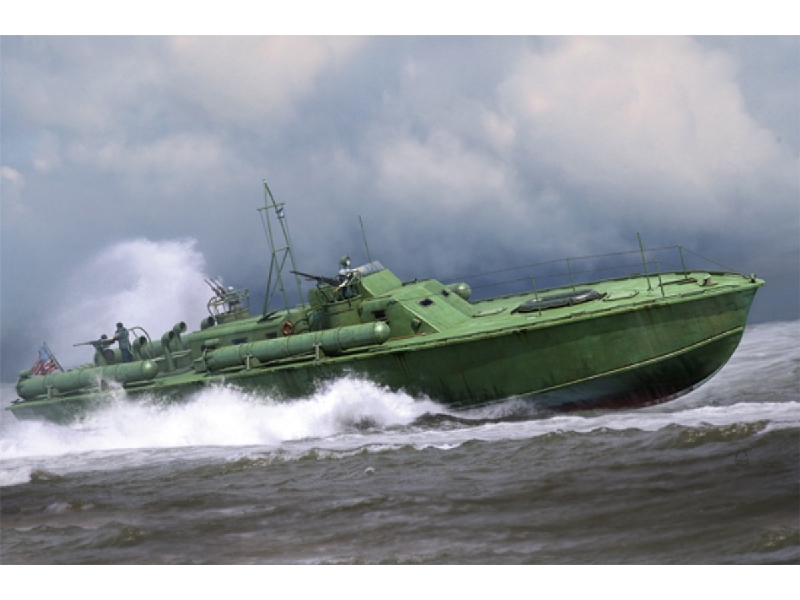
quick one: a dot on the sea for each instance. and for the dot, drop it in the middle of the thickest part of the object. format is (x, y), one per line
(359, 475)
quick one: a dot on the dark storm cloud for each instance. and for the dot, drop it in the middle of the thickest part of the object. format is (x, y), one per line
(461, 154)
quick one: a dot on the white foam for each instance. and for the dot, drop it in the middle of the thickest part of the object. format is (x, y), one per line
(218, 416)
(125, 434)
(143, 283)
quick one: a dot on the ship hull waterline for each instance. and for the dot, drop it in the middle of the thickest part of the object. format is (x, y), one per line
(630, 358)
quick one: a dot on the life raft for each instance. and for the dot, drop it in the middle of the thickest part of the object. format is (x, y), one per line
(558, 300)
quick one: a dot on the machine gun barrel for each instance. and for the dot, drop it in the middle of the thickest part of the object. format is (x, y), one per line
(216, 287)
(95, 343)
(318, 278)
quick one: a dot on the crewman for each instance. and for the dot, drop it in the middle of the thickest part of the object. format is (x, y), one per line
(345, 272)
(121, 336)
(346, 275)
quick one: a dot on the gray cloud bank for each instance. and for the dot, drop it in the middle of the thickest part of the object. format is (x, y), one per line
(461, 154)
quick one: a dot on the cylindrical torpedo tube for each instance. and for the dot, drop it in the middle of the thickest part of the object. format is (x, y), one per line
(86, 377)
(331, 341)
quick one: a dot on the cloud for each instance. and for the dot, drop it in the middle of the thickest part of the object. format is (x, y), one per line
(253, 81)
(176, 154)
(441, 167)
(643, 116)
(12, 184)
(145, 102)
(576, 143)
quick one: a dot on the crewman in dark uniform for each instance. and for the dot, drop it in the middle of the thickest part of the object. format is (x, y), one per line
(121, 336)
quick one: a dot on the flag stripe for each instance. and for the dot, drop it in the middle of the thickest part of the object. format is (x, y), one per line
(45, 364)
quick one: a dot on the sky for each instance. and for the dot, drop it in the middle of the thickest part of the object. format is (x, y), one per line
(132, 167)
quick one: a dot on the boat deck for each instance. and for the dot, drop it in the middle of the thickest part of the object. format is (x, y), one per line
(617, 295)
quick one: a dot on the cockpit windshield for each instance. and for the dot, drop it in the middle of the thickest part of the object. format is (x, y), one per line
(369, 268)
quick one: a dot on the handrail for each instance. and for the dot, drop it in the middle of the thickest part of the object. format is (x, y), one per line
(569, 275)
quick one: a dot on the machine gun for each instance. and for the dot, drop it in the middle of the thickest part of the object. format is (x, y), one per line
(217, 288)
(99, 345)
(227, 302)
(318, 278)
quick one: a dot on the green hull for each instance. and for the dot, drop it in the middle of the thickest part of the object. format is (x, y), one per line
(632, 346)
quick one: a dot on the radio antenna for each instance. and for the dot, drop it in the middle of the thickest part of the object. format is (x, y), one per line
(364, 235)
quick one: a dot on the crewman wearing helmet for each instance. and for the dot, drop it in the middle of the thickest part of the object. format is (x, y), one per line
(346, 275)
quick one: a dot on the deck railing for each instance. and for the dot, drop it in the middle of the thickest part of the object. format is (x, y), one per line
(583, 270)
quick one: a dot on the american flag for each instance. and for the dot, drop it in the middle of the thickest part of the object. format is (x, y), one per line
(46, 363)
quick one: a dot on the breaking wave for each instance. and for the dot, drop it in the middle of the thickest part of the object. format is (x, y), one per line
(346, 416)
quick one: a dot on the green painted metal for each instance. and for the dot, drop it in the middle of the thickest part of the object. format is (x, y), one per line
(330, 342)
(84, 378)
(631, 342)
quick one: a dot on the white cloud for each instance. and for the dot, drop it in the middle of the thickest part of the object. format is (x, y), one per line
(641, 116)
(12, 177)
(245, 80)
(439, 168)
(12, 184)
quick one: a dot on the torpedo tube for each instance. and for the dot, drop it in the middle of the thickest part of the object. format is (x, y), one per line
(330, 341)
(86, 377)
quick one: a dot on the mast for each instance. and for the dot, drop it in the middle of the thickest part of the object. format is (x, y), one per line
(364, 235)
(281, 249)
